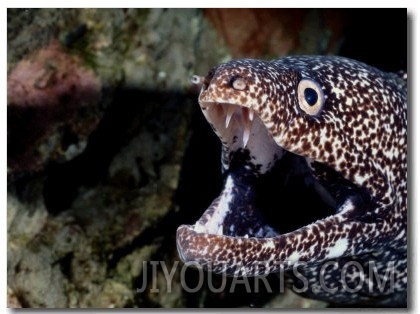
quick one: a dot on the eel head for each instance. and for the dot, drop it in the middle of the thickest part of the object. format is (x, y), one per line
(265, 113)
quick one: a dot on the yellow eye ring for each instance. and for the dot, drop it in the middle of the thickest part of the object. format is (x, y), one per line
(310, 96)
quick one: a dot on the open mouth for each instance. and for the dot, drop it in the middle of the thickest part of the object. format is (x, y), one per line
(312, 177)
(267, 194)
(255, 169)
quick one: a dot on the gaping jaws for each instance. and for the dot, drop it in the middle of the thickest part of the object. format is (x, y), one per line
(233, 236)
(233, 218)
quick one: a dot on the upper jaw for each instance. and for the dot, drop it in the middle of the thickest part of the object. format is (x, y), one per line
(229, 118)
(240, 128)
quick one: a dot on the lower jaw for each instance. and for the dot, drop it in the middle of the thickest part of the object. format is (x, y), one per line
(234, 230)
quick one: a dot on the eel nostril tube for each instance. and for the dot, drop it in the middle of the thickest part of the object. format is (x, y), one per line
(197, 80)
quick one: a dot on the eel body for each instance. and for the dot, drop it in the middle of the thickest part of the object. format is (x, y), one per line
(348, 122)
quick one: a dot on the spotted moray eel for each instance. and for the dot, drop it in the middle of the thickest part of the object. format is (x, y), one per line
(348, 121)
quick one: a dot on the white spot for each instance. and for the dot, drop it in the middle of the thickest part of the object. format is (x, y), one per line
(338, 249)
(400, 235)
(294, 257)
(338, 92)
(269, 245)
(346, 207)
(358, 179)
(402, 141)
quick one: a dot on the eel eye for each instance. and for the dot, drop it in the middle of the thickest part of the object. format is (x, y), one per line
(239, 83)
(311, 97)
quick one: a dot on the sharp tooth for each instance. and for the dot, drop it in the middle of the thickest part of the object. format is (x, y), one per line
(220, 230)
(247, 123)
(245, 136)
(229, 114)
(251, 115)
(228, 117)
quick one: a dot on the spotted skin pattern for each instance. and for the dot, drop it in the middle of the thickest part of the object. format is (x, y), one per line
(355, 144)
